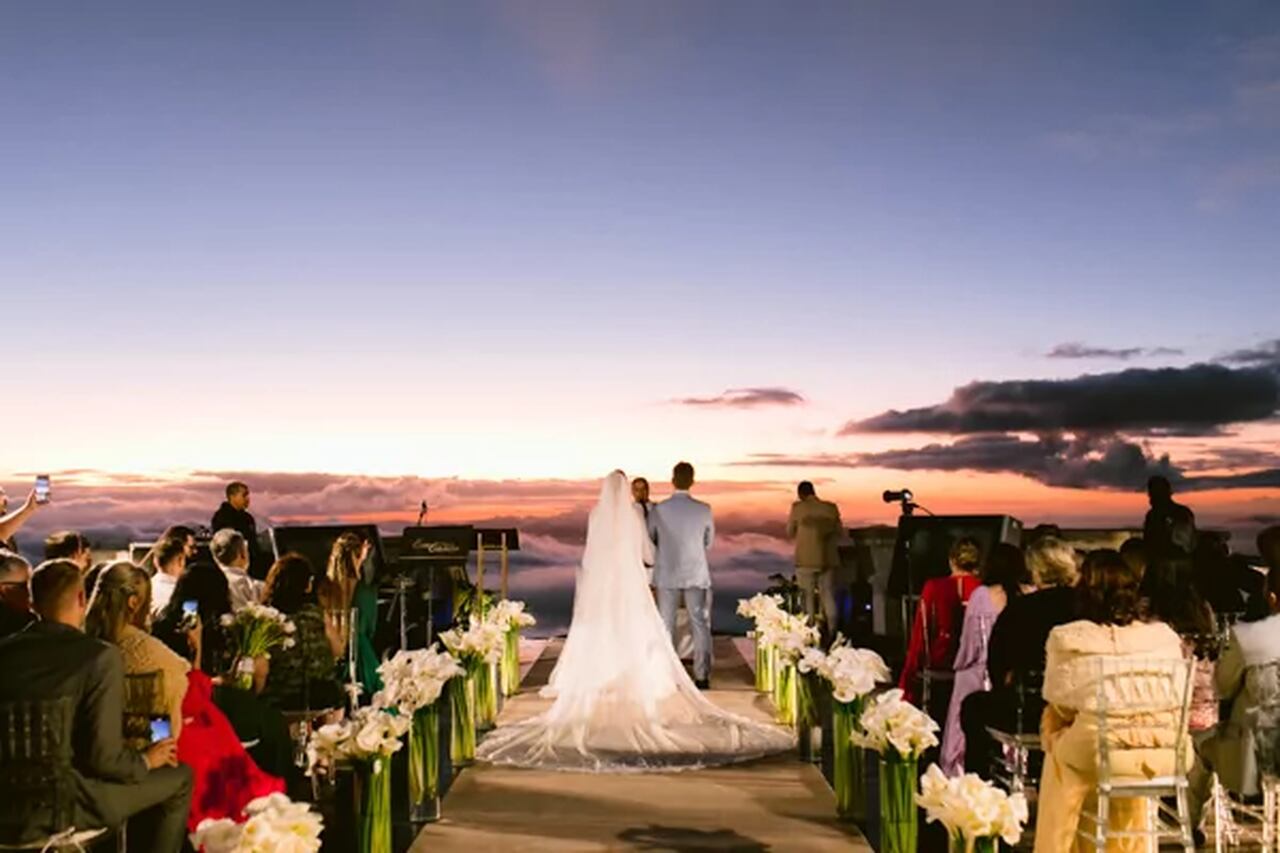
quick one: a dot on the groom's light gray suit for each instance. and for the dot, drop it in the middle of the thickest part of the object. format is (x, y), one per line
(683, 530)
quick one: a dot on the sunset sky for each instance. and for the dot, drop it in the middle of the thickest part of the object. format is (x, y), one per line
(366, 254)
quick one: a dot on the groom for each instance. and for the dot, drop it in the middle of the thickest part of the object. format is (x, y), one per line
(682, 529)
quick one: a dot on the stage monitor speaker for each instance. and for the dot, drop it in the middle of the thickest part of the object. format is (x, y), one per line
(316, 541)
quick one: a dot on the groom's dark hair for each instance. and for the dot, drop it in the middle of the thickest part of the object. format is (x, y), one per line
(682, 475)
(805, 489)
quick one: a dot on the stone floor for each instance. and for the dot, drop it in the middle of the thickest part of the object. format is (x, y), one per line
(777, 804)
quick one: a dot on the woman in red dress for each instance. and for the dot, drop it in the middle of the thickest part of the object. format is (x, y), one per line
(225, 777)
(940, 616)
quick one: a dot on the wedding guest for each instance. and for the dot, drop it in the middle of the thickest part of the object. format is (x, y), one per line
(170, 558)
(1214, 578)
(231, 553)
(15, 593)
(1001, 584)
(1110, 628)
(69, 545)
(1134, 551)
(180, 532)
(234, 514)
(343, 589)
(1170, 528)
(1269, 546)
(207, 586)
(11, 522)
(305, 676)
(814, 525)
(1180, 606)
(1245, 677)
(52, 659)
(640, 494)
(225, 778)
(935, 634)
(1016, 652)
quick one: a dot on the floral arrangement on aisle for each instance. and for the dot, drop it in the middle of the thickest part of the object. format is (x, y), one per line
(365, 742)
(761, 609)
(474, 697)
(900, 732)
(975, 812)
(788, 636)
(512, 616)
(852, 674)
(273, 823)
(413, 682)
(255, 630)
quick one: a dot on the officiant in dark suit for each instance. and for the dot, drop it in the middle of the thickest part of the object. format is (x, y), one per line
(234, 514)
(52, 659)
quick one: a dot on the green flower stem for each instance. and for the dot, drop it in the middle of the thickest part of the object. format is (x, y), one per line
(462, 703)
(785, 697)
(849, 772)
(511, 663)
(898, 819)
(424, 755)
(373, 799)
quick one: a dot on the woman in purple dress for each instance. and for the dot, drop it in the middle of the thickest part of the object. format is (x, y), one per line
(1001, 582)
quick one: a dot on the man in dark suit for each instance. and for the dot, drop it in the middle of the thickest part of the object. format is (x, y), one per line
(15, 593)
(234, 515)
(52, 658)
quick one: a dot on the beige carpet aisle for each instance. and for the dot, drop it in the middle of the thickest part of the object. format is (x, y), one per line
(777, 804)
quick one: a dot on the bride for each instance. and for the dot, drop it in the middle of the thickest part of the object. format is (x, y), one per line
(623, 701)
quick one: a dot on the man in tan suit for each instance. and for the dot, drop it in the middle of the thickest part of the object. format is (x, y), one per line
(815, 526)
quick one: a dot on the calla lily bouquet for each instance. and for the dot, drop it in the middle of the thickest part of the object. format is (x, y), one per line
(510, 615)
(789, 635)
(972, 809)
(274, 824)
(256, 629)
(852, 673)
(891, 724)
(481, 643)
(759, 607)
(369, 734)
(415, 679)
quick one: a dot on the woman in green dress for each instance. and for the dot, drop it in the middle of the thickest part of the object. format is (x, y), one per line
(342, 590)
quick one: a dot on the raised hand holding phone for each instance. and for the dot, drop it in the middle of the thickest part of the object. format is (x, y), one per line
(42, 490)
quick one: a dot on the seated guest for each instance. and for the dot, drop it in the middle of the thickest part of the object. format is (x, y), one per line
(170, 560)
(1001, 584)
(1269, 546)
(305, 676)
(1178, 604)
(1134, 552)
(11, 522)
(936, 632)
(1110, 629)
(207, 586)
(1015, 653)
(180, 532)
(69, 545)
(1247, 676)
(231, 553)
(226, 778)
(53, 658)
(343, 589)
(15, 594)
(1214, 579)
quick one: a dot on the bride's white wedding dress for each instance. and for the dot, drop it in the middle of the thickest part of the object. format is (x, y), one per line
(623, 701)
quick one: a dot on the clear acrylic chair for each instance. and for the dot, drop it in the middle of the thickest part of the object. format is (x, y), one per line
(1239, 822)
(1146, 696)
(1011, 769)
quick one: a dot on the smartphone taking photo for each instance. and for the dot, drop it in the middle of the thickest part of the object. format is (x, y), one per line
(190, 613)
(42, 489)
(160, 729)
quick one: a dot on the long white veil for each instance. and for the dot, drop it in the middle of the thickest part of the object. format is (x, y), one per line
(623, 701)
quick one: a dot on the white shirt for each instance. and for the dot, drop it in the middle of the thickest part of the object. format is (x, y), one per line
(244, 589)
(161, 592)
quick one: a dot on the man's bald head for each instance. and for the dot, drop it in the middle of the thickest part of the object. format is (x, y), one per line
(57, 592)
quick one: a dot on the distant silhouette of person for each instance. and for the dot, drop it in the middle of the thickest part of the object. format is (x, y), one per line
(1269, 546)
(1170, 528)
(1215, 580)
(644, 506)
(816, 528)
(234, 514)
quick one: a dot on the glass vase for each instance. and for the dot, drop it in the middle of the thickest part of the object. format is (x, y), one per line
(373, 806)
(849, 769)
(486, 697)
(511, 663)
(986, 844)
(764, 666)
(462, 703)
(784, 696)
(808, 734)
(898, 820)
(424, 765)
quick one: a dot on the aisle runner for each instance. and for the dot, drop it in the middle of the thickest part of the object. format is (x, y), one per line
(775, 804)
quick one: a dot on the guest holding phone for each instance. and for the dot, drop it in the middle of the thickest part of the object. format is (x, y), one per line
(226, 779)
(11, 522)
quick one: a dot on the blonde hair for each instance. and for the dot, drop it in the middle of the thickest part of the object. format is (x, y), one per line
(109, 612)
(1053, 562)
(342, 574)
